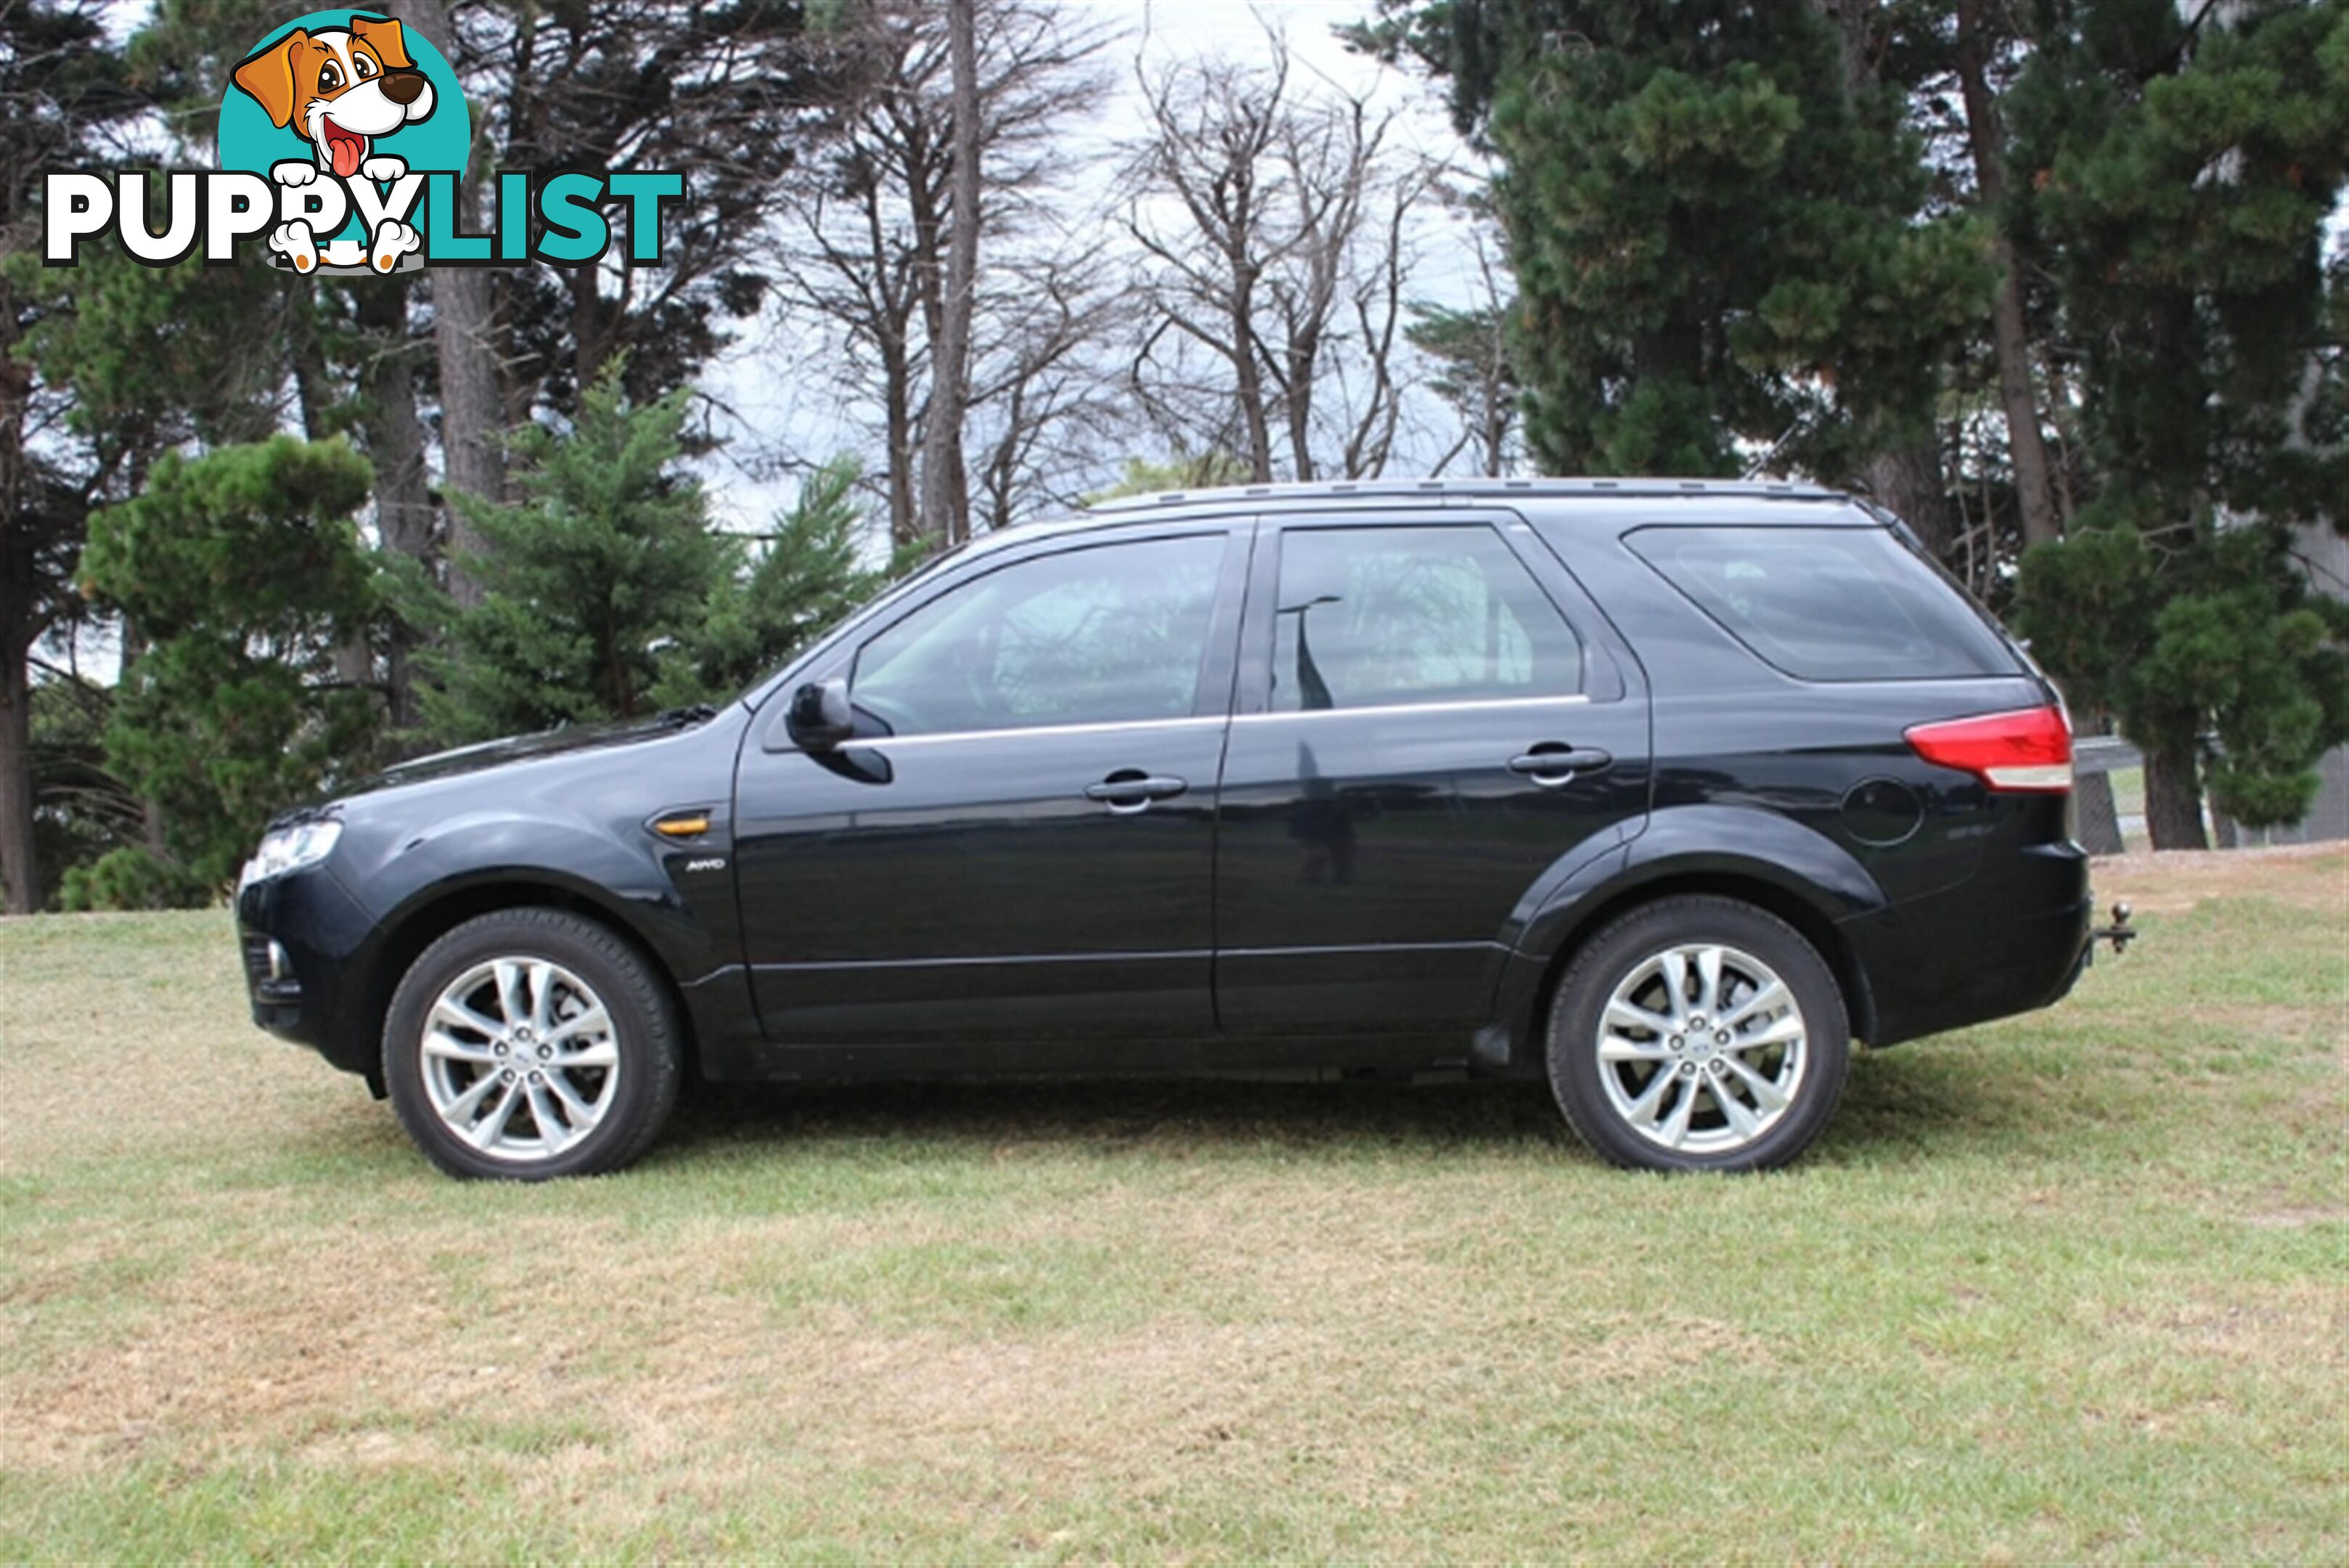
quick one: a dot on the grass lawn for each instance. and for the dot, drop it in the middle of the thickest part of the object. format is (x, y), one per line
(2076, 1285)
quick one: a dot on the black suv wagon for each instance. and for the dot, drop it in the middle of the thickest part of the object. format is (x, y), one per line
(1664, 792)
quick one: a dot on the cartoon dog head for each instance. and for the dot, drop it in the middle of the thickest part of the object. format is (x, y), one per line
(340, 88)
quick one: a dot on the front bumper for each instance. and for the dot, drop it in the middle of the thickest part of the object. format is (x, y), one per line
(311, 994)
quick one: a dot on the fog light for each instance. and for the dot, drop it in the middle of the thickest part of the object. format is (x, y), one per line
(280, 965)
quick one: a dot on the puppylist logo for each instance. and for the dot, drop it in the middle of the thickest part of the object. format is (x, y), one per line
(343, 136)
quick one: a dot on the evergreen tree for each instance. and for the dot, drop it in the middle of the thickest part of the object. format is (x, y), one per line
(246, 573)
(1184, 470)
(733, 93)
(2216, 634)
(62, 93)
(1471, 367)
(128, 362)
(779, 594)
(113, 363)
(86, 812)
(2183, 168)
(1713, 210)
(604, 564)
(347, 346)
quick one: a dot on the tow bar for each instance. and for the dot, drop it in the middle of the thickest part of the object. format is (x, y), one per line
(2120, 933)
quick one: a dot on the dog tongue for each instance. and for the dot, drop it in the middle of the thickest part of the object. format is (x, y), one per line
(347, 152)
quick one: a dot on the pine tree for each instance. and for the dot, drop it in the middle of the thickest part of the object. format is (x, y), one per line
(1183, 470)
(1713, 211)
(62, 94)
(245, 571)
(87, 812)
(606, 561)
(782, 593)
(119, 363)
(348, 345)
(2183, 168)
(1471, 367)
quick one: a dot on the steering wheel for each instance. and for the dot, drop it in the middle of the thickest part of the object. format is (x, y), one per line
(975, 705)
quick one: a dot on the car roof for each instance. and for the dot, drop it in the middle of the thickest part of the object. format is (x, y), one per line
(1635, 501)
(1406, 490)
(1404, 501)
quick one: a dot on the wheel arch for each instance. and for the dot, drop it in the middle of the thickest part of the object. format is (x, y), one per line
(1566, 932)
(428, 916)
(1772, 897)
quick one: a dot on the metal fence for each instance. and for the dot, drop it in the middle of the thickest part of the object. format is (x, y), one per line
(2105, 830)
(2098, 824)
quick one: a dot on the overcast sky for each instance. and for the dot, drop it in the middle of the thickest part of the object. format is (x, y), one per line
(773, 415)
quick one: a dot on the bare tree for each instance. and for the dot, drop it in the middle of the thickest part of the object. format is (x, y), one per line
(1274, 266)
(868, 251)
(1039, 404)
(1468, 348)
(945, 485)
(1213, 128)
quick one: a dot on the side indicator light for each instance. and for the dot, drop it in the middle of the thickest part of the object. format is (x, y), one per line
(681, 826)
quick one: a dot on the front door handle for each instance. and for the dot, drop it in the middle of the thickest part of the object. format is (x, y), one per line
(1130, 790)
(1554, 762)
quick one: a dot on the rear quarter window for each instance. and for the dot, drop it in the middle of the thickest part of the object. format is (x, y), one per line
(1827, 604)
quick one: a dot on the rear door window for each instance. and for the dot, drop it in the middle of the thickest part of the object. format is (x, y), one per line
(1827, 604)
(1391, 617)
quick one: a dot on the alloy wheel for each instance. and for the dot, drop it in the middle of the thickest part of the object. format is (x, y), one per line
(1702, 1048)
(519, 1058)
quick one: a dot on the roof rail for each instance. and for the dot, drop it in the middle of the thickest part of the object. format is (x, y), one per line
(1402, 489)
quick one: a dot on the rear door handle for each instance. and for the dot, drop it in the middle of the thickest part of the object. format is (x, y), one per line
(1554, 762)
(1131, 790)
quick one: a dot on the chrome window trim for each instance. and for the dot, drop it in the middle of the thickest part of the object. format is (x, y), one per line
(1203, 720)
(1011, 730)
(1476, 704)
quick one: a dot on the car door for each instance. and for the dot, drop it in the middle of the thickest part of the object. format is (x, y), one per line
(1018, 844)
(1423, 734)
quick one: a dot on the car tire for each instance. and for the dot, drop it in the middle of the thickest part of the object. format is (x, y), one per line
(1740, 1073)
(532, 1044)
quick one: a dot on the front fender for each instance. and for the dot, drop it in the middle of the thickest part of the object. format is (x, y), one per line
(625, 879)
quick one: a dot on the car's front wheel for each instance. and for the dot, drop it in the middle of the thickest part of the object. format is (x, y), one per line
(530, 1043)
(1699, 1033)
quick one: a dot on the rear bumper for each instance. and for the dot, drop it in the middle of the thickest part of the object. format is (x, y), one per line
(2013, 939)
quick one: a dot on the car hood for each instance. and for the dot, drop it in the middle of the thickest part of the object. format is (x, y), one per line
(512, 750)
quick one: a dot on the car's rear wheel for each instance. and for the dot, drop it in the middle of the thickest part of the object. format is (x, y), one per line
(1699, 1033)
(530, 1043)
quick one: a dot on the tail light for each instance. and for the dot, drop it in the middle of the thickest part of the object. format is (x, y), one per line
(2028, 750)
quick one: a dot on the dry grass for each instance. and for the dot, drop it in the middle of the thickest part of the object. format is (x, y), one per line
(2311, 877)
(2073, 1286)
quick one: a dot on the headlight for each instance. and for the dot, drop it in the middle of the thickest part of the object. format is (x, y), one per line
(289, 849)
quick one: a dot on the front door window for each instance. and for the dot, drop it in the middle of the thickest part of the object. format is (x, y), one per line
(1108, 634)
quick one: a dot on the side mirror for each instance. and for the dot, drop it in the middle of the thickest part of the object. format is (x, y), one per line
(820, 716)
